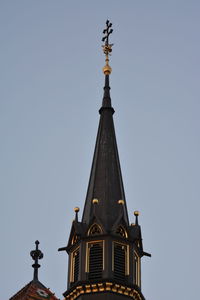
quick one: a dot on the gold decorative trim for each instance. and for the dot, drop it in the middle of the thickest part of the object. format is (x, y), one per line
(137, 269)
(98, 227)
(74, 239)
(104, 287)
(72, 263)
(121, 231)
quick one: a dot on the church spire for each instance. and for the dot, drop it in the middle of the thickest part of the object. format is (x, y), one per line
(104, 249)
(105, 182)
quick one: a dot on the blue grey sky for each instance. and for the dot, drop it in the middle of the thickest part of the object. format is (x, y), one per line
(51, 86)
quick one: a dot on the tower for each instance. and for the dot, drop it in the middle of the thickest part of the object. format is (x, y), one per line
(104, 249)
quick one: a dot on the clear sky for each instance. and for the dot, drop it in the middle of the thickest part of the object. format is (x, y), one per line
(50, 91)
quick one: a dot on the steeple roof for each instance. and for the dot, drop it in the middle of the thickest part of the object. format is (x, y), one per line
(105, 183)
(34, 290)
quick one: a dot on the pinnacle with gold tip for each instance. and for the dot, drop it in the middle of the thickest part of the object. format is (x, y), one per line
(136, 214)
(76, 210)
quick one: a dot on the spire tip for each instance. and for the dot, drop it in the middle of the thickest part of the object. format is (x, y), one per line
(107, 48)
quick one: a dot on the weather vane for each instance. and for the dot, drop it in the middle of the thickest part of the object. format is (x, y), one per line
(107, 48)
(36, 255)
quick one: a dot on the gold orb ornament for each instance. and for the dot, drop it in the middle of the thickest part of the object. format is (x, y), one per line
(95, 201)
(121, 202)
(76, 209)
(107, 69)
(136, 213)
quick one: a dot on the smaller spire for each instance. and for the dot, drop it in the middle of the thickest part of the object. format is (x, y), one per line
(36, 255)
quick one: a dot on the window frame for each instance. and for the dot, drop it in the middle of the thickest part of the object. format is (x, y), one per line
(72, 263)
(137, 269)
(88, 245)
(127, 257)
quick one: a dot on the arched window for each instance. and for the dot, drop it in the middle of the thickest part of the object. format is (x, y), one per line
(95, 229)
(74, 272)
(121, 231)
(120, 261)
(137, 269)
(95, 259)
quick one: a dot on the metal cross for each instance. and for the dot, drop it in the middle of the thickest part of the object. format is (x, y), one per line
(107, 31)
(107, 48)
(36, 255)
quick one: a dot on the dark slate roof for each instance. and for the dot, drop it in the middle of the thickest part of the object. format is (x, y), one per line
(34, 290)
(105, 182)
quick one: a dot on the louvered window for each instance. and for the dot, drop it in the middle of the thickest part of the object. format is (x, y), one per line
(120, 261)
(137, 268)
(95, 260)
(75, 266)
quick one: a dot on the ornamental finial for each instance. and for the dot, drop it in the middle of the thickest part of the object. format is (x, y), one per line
(136, 214)
(76, 209)
(36, 255)
(107, 48)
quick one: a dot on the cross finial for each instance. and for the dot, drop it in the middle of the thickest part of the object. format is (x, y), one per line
(36, 255)
(107, 31)
(107, 48)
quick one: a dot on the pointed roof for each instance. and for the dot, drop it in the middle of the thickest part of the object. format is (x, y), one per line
(105, 183)
(32, 291)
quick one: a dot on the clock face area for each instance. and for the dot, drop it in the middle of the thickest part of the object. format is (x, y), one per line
(42, 293)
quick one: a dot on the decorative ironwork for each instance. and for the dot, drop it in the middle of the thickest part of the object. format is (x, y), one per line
(36, 255)
(107, 48)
